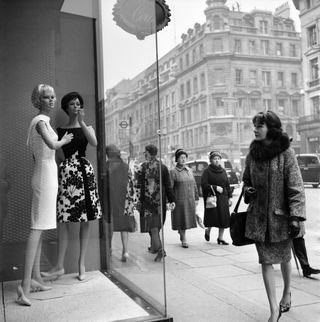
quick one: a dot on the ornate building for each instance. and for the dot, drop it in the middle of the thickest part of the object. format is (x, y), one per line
(309, 125)
(211, 84)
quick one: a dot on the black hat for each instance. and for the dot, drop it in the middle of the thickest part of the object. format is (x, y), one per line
(215, 154)
(180, 152)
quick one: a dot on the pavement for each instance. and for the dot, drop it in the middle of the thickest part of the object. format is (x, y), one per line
(205, 282)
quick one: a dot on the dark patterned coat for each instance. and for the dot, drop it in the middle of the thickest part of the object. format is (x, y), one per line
(274, 172)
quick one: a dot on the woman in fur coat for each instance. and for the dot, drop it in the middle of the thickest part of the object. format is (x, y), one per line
(274, 188)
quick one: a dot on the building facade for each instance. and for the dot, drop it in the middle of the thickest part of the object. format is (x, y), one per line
(211, 84)
(309, 125)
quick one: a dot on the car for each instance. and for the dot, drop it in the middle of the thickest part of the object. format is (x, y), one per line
(309, 164)
(198, 166)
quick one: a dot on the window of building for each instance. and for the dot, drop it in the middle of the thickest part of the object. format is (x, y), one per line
(294, 80)
(312, 36)
(201, 51)
(183, 120)
(187, 60)
(217, 45)
(196, 114)
(188, 88)
(266, 104)
(266, 78)
(203, 108)
(194, 55)
(295, 107)
(180, 63)
(216, 23)
(182, 91)
(263, 26)
(189, 114)
(173, 98)
(202, 81)
(314, 69)
(252, 47)
(254, 105)
(219, 76)
(281, 105)
(279, 50)
(195, 85)
(280, 81)
(237, 46)
(315, 105)
(292, 50)
(265, 47)
(253, 77)
(239, 77)
(308, 4)
(218, 108)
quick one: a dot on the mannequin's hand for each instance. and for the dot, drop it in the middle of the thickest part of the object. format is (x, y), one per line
(219, 189)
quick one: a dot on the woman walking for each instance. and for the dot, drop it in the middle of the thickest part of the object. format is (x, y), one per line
(78, 200)
(185, 189)
(42, 141)
(214, 180)
(274, 188)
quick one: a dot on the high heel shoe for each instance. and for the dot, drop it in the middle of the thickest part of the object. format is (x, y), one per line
(124, 257)
(36, 286)
(82, 273)
(160, 255)
(279, 315)
(22, 299)
(221, 241)
(206, 235)
(56, 274)
(285, 307)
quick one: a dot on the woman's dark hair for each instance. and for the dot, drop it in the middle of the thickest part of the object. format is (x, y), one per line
(66, 99)
(152, 149)
(272, 121)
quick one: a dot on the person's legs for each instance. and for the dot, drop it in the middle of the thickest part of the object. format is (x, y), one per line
(301, 252)
(124, 240)
(270, 286)
(220, 239)
(285, 302)
(63, 241)
(207, 233)
(84, 239)
(31, 250)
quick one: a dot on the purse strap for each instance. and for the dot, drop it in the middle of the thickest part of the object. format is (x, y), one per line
(238, 202)
(212, 190)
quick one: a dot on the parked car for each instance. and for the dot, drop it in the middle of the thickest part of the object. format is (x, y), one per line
(309, 164)
(198, 166)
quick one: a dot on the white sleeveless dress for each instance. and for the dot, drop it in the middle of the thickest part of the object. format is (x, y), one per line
(45, 178)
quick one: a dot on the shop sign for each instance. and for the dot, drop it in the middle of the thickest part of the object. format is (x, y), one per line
(316, 139)
(139, 17)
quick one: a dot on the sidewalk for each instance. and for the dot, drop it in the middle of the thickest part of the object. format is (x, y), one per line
(205, 283)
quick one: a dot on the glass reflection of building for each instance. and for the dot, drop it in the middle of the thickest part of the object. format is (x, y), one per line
(221, 73)
(309, 125)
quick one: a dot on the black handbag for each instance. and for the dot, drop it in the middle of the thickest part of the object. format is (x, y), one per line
(238, 226)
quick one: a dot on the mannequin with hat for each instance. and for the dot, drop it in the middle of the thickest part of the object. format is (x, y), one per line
(185, 189)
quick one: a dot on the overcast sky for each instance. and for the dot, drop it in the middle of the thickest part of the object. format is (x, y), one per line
(125, 56)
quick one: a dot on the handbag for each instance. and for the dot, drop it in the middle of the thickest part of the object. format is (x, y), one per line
(211, 201)
(238, 226)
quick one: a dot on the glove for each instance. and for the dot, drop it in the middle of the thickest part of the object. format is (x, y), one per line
(249, 194)
(294, 229)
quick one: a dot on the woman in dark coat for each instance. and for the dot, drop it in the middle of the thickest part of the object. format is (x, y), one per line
(215, 177)
(274, 188)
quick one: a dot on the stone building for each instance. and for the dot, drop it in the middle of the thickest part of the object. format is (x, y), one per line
(309, 125)
(211, 84)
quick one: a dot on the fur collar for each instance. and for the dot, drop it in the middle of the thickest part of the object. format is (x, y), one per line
(260, 151)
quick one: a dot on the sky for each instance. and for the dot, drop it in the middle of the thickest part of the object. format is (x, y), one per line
(125, 56)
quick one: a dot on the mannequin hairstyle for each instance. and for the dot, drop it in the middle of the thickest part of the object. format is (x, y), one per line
(37, 94)
(66, 99)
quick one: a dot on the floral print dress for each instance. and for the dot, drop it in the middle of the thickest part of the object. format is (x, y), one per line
(78, 199)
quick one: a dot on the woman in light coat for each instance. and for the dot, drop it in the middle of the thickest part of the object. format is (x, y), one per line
(185, 189)
(274, 188)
